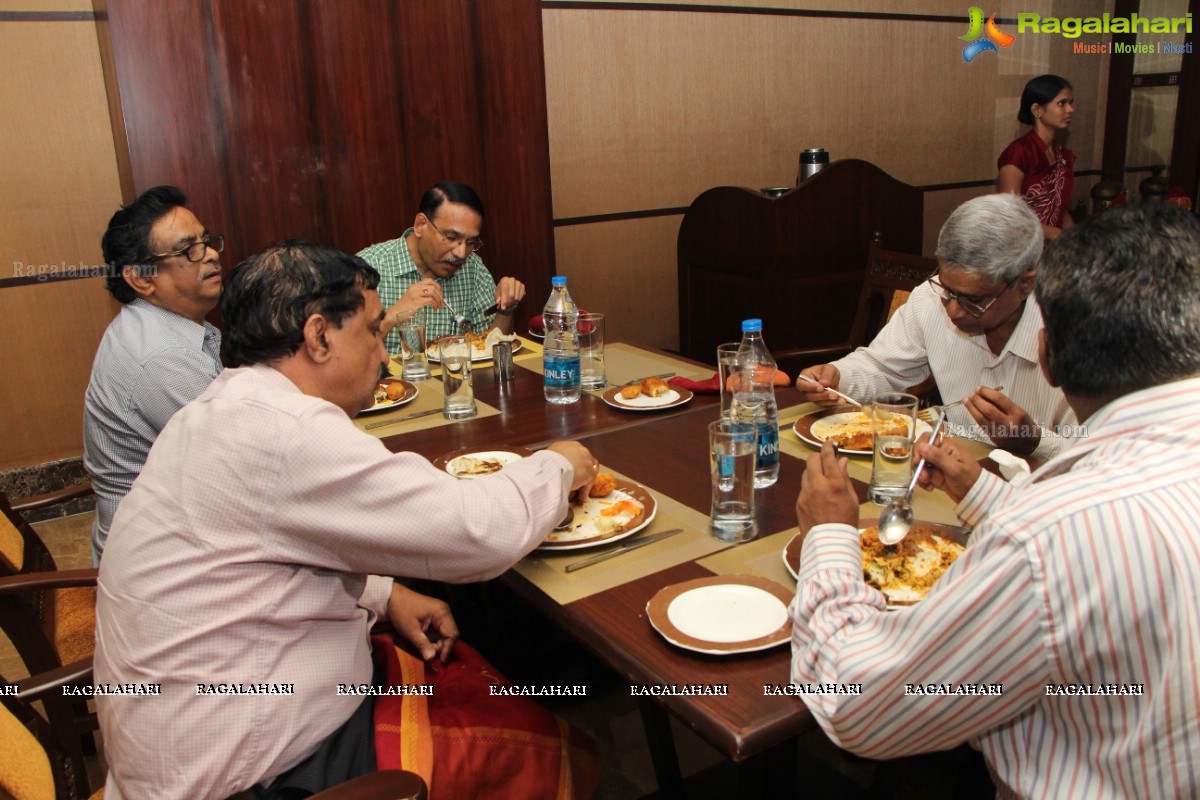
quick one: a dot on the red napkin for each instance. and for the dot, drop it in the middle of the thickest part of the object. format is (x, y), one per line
(537, 325)
(710, 386)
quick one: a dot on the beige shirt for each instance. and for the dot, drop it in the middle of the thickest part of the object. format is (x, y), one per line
(242, 557)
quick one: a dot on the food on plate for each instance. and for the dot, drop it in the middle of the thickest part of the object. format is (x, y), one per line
(854, 433)
(781, 378)
(389, 391)
(654, 387)
(905, 572)
(611, 513)
(469, 465)
(631, 391)
(604, 485)
(483, 342)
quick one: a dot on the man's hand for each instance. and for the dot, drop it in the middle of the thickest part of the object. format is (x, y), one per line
(509, 292)
(424, 621)
(826, 491)
(1007, 424)
(583, 462)
(425, 292)
(826, 375)
(948, 467)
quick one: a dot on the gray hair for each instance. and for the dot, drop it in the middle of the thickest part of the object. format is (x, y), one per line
(995, 236)
(1120, 295)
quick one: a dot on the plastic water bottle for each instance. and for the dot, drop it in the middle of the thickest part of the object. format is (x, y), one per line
(754, 400)
(560, 350)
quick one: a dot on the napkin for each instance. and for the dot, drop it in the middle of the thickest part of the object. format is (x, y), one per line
(710, 386)
(1013, 469)
(538, 325)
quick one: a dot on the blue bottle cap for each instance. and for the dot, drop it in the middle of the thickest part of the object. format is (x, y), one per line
(751, 325)
(558, 280)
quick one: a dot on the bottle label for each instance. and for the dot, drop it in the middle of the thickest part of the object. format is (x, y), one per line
(561, 371)
(768, 445)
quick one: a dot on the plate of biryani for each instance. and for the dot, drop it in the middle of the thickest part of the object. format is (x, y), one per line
(391, 393)
(615, 509)
(481, 345)
(848, 427)
(473, 463)
(905, 572)
(648, 394)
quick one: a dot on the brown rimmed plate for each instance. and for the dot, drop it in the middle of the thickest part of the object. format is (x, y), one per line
(723, 614)
(676, 397)
(434, 353)
(582, 532)
(410, 394)
(815, 427)
(503, 454)
(954, 533)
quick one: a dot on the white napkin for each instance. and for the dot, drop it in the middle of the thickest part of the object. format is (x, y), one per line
(1014, 469)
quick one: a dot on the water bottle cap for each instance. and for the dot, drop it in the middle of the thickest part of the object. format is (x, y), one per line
(751, 325)
(558, 280)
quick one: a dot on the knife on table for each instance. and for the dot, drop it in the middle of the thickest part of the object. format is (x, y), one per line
(406, 417)
(624, 548)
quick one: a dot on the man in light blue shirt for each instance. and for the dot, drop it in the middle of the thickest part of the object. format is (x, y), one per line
(159, 353)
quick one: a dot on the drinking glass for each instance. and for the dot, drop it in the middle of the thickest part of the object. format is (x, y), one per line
(893, 424)
(731, 452)
(726, 353)
(413, 360)
(459, 397)
(591, 351)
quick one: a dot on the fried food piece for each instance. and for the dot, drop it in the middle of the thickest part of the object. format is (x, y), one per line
(604, 485)
(654, 387)
(630, 392)
(394, 390)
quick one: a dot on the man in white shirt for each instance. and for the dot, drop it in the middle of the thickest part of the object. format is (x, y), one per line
(250, 550)
(973, 326)
(159, 353)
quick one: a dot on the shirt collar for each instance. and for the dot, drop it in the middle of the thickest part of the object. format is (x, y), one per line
(176, 323)
(1024, 340)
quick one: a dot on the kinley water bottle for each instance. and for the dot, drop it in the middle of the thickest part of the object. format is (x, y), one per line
(754, 400)
(560, 350)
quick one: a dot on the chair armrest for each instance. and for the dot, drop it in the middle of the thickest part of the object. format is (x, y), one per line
(35, 687)
(391, 784)
(39, 581)
(52, 498)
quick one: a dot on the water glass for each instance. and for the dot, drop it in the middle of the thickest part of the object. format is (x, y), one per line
(591, 351)
(726, 353)
(459, 397)
(731, 452)
(414, 362)
(894, 425)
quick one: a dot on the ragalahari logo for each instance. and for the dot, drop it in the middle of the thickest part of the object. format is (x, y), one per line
(995, 36)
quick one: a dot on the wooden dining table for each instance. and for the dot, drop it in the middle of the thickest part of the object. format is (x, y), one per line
(605, 607)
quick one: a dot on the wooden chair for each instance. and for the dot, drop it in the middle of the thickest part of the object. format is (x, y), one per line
(890, 276)
(34, 765)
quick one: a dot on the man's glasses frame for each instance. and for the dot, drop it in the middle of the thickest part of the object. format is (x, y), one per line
(973, 305)
(194, 252)
(454, 238)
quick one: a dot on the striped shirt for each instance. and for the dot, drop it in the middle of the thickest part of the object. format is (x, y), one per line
(150, 363)
(921, 340)
(1077, 594)
(470, 290)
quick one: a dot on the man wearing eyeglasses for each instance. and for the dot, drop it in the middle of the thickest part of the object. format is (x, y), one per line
(159, 353)
(435, 265)
(974, 327)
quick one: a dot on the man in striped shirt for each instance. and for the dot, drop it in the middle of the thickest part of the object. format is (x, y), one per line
(973, 326)
(434, 268)
(1077, 593)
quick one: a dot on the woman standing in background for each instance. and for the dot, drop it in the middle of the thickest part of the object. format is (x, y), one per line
(1036, 166)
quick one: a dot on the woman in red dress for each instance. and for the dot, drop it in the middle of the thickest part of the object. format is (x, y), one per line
(1036, 166)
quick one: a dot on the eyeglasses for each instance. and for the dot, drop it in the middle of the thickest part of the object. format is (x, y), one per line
(454, 238)
(976, 306)
(196, 251)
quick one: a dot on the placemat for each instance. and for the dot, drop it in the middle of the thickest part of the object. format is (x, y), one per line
(762, 557)
(547, 570)
(429, 396)
(626, 362)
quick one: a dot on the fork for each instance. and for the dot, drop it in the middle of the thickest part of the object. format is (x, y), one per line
(928, 413)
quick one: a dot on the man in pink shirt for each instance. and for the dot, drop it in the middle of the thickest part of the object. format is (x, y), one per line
(250, 551)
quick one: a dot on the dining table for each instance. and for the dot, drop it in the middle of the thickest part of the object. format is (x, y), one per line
(604, 607)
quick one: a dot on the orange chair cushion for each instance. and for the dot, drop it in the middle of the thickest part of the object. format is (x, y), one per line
(73, 622)
(899, 298)
(24, 769)
(12, 544)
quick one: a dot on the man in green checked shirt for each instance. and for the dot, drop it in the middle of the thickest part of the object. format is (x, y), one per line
(435, 263)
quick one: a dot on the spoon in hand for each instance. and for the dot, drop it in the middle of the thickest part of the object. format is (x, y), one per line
(897, 516)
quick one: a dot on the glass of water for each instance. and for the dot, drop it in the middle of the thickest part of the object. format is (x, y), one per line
(893, 425)
(413, 360)
(591, 351)
(732, 447)
(459, 396)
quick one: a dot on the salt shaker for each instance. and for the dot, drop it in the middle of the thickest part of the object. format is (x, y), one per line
(502, 361)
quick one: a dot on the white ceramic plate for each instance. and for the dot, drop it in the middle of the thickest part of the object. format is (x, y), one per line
(722, 614)
(676, 397)
(815, 428)
(410, 394)
(586, 530)
(460, 465)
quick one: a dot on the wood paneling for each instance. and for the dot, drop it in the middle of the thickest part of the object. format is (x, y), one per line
(333, 130)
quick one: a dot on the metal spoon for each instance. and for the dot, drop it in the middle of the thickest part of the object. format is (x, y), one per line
(845, 397)
(459, 319)
(897, 517)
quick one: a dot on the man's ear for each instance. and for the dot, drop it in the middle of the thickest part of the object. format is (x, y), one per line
(1026, 283)
(316, 340)
(1044, 359)
(142, 285)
